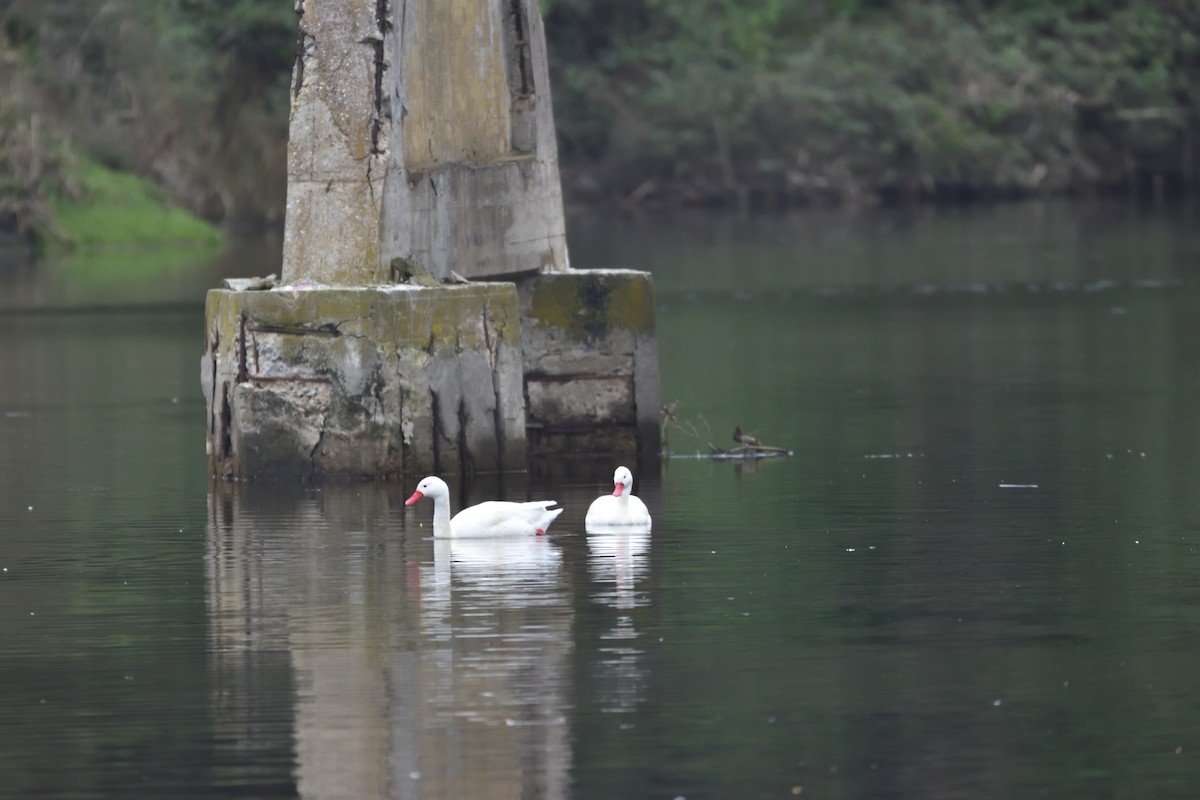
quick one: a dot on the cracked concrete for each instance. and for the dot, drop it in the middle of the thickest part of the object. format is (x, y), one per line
(417, 387)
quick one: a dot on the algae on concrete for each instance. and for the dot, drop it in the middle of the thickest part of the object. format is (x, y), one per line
(589, 304)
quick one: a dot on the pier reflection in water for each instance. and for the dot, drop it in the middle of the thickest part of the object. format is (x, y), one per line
(419, 667)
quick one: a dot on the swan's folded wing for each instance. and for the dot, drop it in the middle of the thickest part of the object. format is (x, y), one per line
(502, 518)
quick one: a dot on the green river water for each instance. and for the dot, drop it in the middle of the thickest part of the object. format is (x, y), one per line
(977, 576)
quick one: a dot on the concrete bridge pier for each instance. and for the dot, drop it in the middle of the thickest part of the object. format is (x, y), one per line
(426, 319)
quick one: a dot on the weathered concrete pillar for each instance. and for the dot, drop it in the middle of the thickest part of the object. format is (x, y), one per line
(421, 131)
(422, 149)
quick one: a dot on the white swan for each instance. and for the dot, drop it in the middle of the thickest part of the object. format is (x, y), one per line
(620, 509)
(490, 518)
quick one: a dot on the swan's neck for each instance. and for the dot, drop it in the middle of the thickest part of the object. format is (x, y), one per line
(441, 516)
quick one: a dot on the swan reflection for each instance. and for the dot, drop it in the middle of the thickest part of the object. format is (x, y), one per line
(496, 626)
(618, 560)
(512, 572)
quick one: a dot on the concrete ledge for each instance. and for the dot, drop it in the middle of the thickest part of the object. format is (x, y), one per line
(591, 362)
(363, 382)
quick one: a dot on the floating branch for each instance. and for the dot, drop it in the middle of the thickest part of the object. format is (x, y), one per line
(751, 447)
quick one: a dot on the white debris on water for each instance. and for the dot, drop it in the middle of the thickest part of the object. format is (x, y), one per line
(1018, 486)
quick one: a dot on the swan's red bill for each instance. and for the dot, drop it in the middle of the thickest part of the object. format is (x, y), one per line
(617, 490)
(416, 496)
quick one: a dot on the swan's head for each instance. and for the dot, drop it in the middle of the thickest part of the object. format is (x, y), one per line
(432, 487)
(623, 481)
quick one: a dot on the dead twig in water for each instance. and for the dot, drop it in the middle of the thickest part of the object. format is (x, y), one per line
(750, 448)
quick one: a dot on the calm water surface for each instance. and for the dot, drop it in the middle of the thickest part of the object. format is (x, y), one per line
(976, 577)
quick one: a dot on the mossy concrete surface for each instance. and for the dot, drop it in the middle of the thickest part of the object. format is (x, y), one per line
(591, 362)
(367, 382)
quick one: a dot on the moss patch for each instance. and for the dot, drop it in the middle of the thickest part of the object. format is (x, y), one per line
(587, 304)
(118, 208)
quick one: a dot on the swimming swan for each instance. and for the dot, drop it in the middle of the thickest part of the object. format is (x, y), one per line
(490, 518)
(620, 508)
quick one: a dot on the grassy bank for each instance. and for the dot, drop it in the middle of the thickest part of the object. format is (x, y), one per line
(190, 95)
(114, 208)
(58, 198)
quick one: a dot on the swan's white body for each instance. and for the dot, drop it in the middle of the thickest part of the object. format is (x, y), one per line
(490, 518)
(619, 509)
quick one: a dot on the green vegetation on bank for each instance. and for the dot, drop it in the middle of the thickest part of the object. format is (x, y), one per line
(58, 197)
(119, 208)
(667, 100)
(190, 94)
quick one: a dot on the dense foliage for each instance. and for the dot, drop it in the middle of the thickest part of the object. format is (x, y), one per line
(855, 99)
(190, 92)
(680, 100)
